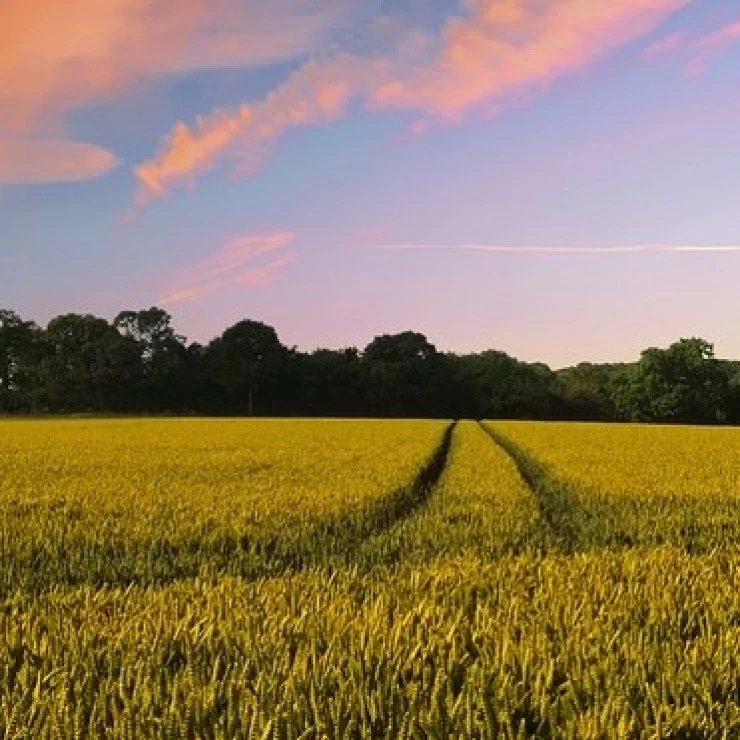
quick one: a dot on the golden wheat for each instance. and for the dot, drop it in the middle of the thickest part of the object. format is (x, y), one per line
(314, 579)
(643, 484)
(149, 501)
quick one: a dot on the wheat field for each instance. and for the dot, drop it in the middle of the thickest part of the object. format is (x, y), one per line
(368, 579)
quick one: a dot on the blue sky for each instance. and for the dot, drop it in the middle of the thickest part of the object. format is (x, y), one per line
(248, 161)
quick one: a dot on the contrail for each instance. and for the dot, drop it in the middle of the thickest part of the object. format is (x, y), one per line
(524, 249)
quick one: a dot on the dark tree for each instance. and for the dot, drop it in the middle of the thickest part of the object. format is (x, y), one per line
(401, 375)
(19, 357)
(82, 363)
(88, 365)
(684, 383)
(586, 392)
(330, 383)
(499, 386)
(164, 380)
(248, 364)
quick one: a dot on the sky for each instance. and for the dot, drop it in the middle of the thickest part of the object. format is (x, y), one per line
(554, 178)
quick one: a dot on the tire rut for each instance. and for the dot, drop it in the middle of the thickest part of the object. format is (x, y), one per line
(332, 542)
(397, 507)
(560, 511)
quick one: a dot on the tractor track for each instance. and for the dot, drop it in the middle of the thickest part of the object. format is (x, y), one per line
(559, 508)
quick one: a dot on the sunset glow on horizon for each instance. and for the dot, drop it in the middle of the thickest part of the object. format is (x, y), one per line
(554, 179)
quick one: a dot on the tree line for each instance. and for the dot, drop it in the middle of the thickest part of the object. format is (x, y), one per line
(138, 364)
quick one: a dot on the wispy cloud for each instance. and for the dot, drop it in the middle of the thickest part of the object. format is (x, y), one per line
(666, 45)
(231, 266)
(57, 57)
(711, 44)
(317, 93)
(267, 273)
(39, 161)
(504, 48)
(721, 38)
(594, 250)
(703, 48)
(489, 55)
(238, 252)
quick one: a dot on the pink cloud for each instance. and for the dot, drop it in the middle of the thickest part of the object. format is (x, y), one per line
(39, 161)
(239, 251)
(57, 57)
(186, 152)
(316, 94)
(267, 273)
(702, 47)
(711, 44)
(506, 48)
(697, 66)
(494, 54)
(666, 45)
(231, 266)
(720, 39)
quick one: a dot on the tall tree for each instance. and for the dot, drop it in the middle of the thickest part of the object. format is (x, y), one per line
(163, 356)
(500, 386)
(248, 365)
(139, 363)
(88, 365)
(586, 391)
(402, 375)
(683, 383)
(330, 383)
(19, 356)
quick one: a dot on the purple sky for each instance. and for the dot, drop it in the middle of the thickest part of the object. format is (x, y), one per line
(555, 179)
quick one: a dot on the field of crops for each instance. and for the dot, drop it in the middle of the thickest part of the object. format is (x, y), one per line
(368, 579)
(119, 502)
(648, 485)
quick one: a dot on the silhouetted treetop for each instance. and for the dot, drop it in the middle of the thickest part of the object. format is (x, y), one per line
(139, 364)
